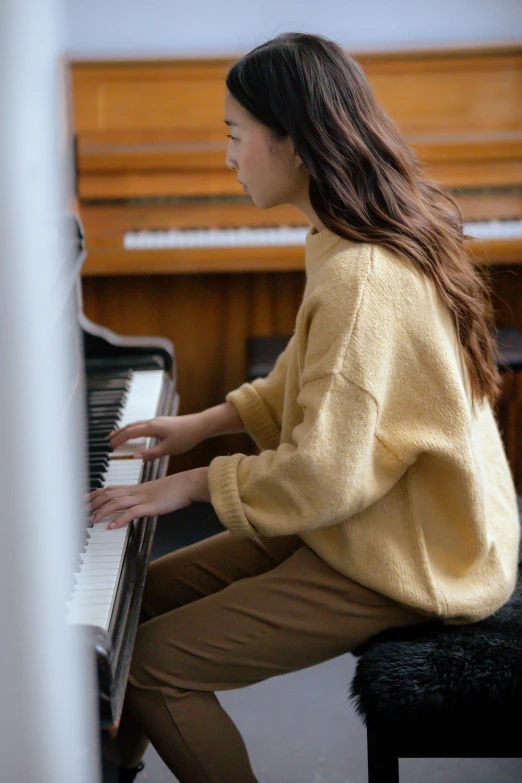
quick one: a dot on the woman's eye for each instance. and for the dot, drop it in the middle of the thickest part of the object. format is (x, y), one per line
(232, 138)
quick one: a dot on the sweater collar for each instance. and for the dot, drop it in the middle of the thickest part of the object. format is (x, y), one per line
(319, 247)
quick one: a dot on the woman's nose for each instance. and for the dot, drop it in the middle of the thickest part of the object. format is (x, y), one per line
(230, 162)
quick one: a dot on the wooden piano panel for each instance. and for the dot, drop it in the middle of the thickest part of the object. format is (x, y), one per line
(141, 95)
(461, 112)
(454, 93)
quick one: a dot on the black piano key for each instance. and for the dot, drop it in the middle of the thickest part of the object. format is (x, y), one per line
(101, 428)
(98, 466)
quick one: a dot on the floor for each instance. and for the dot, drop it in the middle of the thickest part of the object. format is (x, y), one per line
(301, 728)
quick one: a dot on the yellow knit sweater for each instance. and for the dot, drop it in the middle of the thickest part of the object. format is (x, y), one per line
(369, 447)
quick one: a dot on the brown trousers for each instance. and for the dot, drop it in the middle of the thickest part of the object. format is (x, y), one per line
(224, 613)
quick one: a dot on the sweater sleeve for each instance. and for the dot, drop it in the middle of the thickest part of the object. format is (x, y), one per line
(333, 467)
(260, 403)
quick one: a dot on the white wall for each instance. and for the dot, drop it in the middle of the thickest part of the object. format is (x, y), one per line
(206, 27)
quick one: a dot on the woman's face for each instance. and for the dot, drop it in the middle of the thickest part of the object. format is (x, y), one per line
(268, 168)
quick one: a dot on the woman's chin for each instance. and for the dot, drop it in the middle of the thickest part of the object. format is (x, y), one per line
(264, 203)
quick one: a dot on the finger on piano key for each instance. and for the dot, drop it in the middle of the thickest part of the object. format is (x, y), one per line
(136, 428)
(113, 505)
(96, 492)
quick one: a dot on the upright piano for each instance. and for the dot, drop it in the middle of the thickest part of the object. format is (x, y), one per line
(169, 229)
(124, 379)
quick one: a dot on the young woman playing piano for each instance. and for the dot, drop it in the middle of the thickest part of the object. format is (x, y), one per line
(381, 495)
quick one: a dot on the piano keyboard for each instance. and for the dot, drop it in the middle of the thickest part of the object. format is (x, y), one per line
(114, 401)
(279, 236)
(215, 237)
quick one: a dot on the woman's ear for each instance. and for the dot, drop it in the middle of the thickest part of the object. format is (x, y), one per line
(296, 161)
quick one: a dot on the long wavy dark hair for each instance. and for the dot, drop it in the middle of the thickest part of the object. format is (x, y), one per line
(365, 183)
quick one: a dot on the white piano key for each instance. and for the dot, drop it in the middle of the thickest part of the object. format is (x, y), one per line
(130, 467)
(106, 535)
(94, 576)
(96, 568)
(88, 563)
(114, 535)
(93, 587)
(95, 552)
(96, 558)
(90, 551)
(111, 576)
(100, 572)
(101, 594)
(106, 548)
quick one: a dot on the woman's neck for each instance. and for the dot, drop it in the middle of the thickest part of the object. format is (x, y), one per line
(307, 210)
(302, 202)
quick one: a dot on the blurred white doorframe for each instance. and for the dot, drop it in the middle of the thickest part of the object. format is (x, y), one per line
(47, 689)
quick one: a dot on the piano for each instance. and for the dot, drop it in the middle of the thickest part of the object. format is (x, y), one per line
(169, 228)
(124, 380)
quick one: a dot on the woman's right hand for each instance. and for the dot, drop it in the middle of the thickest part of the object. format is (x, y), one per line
(176, 434)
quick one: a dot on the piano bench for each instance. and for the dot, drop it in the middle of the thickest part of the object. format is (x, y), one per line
(262, 353)
(442, 691)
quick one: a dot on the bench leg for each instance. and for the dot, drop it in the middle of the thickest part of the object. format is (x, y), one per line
(383, 762)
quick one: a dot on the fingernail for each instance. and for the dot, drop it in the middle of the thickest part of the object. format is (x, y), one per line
(111, 526)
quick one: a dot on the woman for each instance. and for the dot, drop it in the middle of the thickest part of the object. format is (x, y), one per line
(381, 495)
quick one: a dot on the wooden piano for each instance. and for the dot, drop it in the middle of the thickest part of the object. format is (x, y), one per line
(175, 248)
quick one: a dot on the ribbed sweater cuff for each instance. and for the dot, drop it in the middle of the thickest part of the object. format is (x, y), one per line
(254, 414)
(224, 494)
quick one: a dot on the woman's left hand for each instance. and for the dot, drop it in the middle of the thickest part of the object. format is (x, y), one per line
(149, 499)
